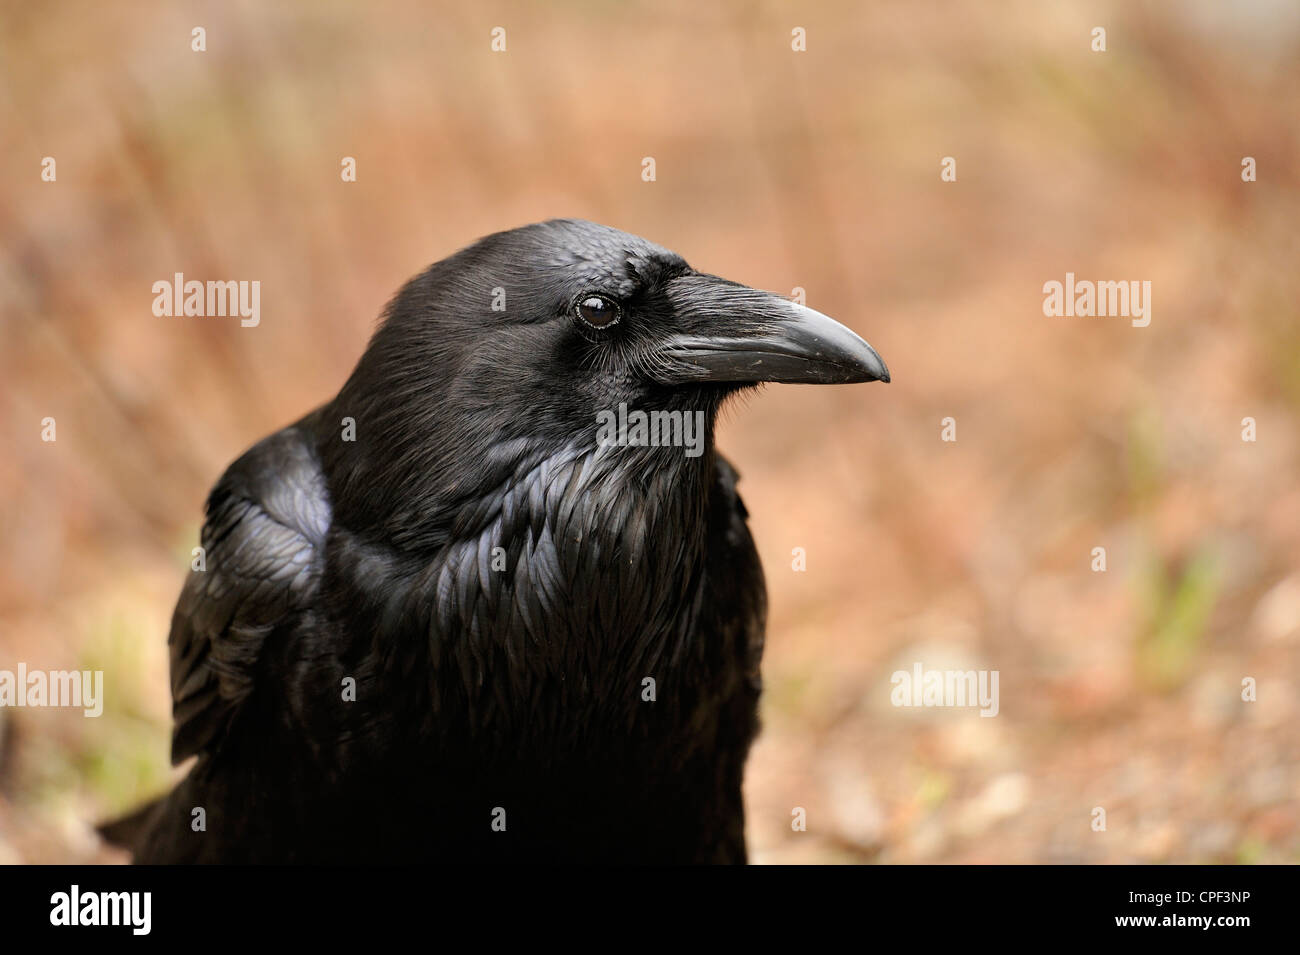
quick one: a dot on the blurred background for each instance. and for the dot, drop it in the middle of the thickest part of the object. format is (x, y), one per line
(780, 169)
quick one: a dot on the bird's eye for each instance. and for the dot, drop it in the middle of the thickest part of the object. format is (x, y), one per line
(598, 311)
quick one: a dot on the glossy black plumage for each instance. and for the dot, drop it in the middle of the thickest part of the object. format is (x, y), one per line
(498, 585)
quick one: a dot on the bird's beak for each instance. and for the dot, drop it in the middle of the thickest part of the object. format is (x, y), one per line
(741, 335)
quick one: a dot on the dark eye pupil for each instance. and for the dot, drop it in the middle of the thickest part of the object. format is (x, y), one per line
(597, 311)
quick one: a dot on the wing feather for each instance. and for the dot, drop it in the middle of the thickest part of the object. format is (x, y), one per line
(263, 541)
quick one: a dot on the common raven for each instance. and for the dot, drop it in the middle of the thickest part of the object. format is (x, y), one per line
(497, 601)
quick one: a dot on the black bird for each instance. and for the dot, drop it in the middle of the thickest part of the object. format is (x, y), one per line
(445, 617)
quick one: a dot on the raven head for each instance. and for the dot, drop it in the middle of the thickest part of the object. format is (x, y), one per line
(611, 312)
(506, 353)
